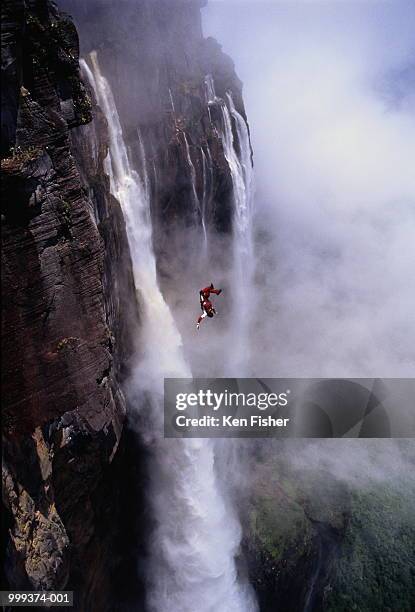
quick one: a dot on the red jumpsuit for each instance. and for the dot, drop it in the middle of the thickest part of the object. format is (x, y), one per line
(205, 293)
(205, 304)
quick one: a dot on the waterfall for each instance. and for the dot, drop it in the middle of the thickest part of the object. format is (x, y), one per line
(192, 557)
(244, 212)
(239, 159)
(211, 97)
(243, 261)
(207, 182)
(230, 453)
(172, 102)
(127, 187)
(143, 167)
(196, 202)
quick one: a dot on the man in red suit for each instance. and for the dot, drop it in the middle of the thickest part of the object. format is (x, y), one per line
(206, 305)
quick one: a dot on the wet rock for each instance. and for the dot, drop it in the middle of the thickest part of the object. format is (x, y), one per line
(63, 333)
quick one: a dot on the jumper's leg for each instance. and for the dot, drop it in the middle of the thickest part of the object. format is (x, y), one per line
(202, 316)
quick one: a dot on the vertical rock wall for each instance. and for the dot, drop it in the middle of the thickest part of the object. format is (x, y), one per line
(66, 277)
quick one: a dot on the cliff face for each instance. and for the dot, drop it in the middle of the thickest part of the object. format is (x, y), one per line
(155, 57)
(63, 338)
(72, 516)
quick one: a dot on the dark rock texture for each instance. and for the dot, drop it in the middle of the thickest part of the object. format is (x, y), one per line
(66, 277)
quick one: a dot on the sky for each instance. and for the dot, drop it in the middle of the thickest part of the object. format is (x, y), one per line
(329, 89)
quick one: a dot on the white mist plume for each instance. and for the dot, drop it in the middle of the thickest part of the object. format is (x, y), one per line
(331, 107)
(358, 462)
(332, 115)
(193, 548)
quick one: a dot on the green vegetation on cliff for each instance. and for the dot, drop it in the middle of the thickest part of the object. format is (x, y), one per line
(341, 545)
(376, 566)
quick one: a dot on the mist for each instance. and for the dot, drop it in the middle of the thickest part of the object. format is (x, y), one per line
(329, 90)
(331, 106)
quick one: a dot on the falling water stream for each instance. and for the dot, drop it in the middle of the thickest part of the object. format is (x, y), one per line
(239, 158)
(193, 547)
(198, 206)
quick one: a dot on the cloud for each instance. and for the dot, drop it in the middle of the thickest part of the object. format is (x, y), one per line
(330, 103)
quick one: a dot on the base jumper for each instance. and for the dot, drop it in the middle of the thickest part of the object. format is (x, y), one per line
(206, 305)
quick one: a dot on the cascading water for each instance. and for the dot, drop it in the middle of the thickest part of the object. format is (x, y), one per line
(196, 202)
(211, 96)
(244, 211)
(207, 181)
(240, 166)
(192, 565)
(243, 262)
(231, 454)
